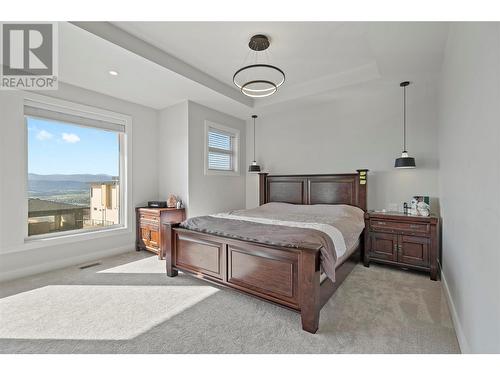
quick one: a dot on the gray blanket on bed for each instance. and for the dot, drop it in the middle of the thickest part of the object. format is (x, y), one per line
(277, 235)
(347, 220)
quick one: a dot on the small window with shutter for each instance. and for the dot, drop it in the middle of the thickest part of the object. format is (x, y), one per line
(221, 152)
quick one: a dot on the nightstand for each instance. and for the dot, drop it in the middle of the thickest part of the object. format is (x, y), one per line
(149, 222)
(402, 240)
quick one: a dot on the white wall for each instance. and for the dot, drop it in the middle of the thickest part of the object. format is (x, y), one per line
(173, 152)
(18, 258)
(181, 160)
(211, 194)
(469, 181)
(363, 131)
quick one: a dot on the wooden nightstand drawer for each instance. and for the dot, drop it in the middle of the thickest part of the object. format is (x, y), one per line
(395, 226)
(153, 218)
(150, 225)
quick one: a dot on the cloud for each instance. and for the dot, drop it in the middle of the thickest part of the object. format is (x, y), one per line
(70, 137)
(44, 135)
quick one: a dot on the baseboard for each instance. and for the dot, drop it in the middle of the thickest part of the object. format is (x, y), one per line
(61, 263)
(462, 340)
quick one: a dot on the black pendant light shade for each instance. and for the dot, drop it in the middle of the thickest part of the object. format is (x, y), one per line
(404, 161)
(254, 167)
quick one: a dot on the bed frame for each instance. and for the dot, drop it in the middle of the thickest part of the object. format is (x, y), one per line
(284, 276)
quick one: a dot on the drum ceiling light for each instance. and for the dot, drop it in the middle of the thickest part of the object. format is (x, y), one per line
(260, 79)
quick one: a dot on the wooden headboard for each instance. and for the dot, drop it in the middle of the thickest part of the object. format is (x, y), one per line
(346, 188)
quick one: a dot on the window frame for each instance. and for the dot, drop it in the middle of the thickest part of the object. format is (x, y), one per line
(93, 113)
(235, 153)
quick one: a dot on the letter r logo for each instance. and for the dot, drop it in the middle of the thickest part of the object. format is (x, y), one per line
(27, 49)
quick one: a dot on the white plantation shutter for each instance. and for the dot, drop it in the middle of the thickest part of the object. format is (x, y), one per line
(220, 150)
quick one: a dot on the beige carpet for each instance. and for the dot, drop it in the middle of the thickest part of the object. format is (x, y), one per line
(128, 305)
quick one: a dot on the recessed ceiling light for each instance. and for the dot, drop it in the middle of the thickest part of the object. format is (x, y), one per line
(113, 72)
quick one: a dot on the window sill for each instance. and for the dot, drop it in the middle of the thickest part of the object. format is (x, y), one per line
(41, 241)
(213, 172)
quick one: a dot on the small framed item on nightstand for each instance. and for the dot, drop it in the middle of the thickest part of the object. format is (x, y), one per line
(401, 240)
(420, 205)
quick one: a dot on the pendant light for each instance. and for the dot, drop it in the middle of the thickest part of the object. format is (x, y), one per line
(260, 79)
(404, 161)
(254, 167)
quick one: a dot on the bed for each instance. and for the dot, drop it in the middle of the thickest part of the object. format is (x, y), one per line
(294, 250)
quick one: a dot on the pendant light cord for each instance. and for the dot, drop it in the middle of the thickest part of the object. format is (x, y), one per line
(404, 118)
(254, 139)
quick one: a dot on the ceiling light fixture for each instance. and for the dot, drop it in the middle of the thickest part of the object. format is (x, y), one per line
(254, 167)
(113, 72)
(404, 161)
(260, 79)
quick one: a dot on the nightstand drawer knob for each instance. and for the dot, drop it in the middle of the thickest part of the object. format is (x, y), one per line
(381, 223)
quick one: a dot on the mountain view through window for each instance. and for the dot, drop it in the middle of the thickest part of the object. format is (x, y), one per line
(73, 177)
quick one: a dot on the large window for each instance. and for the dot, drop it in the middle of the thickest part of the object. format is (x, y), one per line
(221, 149)
(75, 167)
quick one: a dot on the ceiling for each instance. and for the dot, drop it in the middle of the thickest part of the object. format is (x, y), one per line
(86, 59)
(162, 63)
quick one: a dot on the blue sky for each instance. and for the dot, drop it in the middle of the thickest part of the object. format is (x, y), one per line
(59, 148)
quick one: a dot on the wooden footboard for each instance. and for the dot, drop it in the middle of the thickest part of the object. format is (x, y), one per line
(285, 276)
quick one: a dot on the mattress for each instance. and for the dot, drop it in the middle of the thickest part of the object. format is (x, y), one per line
(342, 223)
(333, 229)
